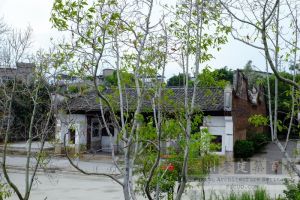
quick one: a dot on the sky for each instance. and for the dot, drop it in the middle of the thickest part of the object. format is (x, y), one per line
(36, 13)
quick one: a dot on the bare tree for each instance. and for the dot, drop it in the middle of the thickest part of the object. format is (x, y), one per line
(13, 52)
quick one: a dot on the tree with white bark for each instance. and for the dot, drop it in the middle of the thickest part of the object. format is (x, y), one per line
(272, 28)
(122, 35)
(14, 49)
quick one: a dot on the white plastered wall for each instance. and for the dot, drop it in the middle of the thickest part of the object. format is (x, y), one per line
(106, 142)
(66, 121)
(223, 126)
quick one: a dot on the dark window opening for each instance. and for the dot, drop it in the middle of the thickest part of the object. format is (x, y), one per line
(95, 128)
(218, 143)
(72, 135)
(105, 133)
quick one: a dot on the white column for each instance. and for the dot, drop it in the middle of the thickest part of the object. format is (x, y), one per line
(228, 98)
(228, 134)
(58, 129)
(77, 133)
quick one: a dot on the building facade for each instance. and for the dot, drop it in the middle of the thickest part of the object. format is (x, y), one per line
(226, 112)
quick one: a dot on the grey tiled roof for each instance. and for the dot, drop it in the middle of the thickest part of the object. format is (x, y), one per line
(206, 99)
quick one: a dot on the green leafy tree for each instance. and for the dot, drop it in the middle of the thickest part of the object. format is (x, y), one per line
(23, 105)
(224, 74)
(189, 26)
(169, 169)
(178, 80)
(285, 103)
(102, 29)
(211, 78)
(127, 79)
(98, 28)
(284, 92)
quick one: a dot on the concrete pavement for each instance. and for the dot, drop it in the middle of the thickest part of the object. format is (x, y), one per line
(65, 182)
(54, 164)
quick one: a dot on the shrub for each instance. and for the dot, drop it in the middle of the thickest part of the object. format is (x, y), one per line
(5, 191)
(73, 89)
(292, 191)
(243, 149)
(257, 194)
(261, 194)
(259, 141)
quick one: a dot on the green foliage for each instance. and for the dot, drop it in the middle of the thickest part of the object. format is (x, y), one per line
(197, 122)
(284, 101)
(77, 89)
(171, 129)
(73, 89)
(261, 194)
(178, 80)
(181, 29)
(64, 12)
(243, 149)
(281, 126)
(165, 178)
(22, 107)
(284, 91)
(111, 80)
(44, 158)
(258, 120)
(139, 118)
(127, 79)
(5, 191)
(93, 25)
(210, 78)
(292, 191)
(200, 167)
(207, 78)
(259, 140)
(224, 74)
(200, 159)
(257, 194)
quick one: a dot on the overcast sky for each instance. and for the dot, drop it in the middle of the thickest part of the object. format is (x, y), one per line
(36, 13)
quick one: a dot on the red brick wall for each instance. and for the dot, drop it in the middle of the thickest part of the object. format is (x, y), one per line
(242, 109)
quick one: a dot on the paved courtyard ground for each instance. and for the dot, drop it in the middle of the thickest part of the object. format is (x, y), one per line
(62, 182)
(64, 186)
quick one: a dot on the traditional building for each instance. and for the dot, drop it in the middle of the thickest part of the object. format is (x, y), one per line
(226, 112)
